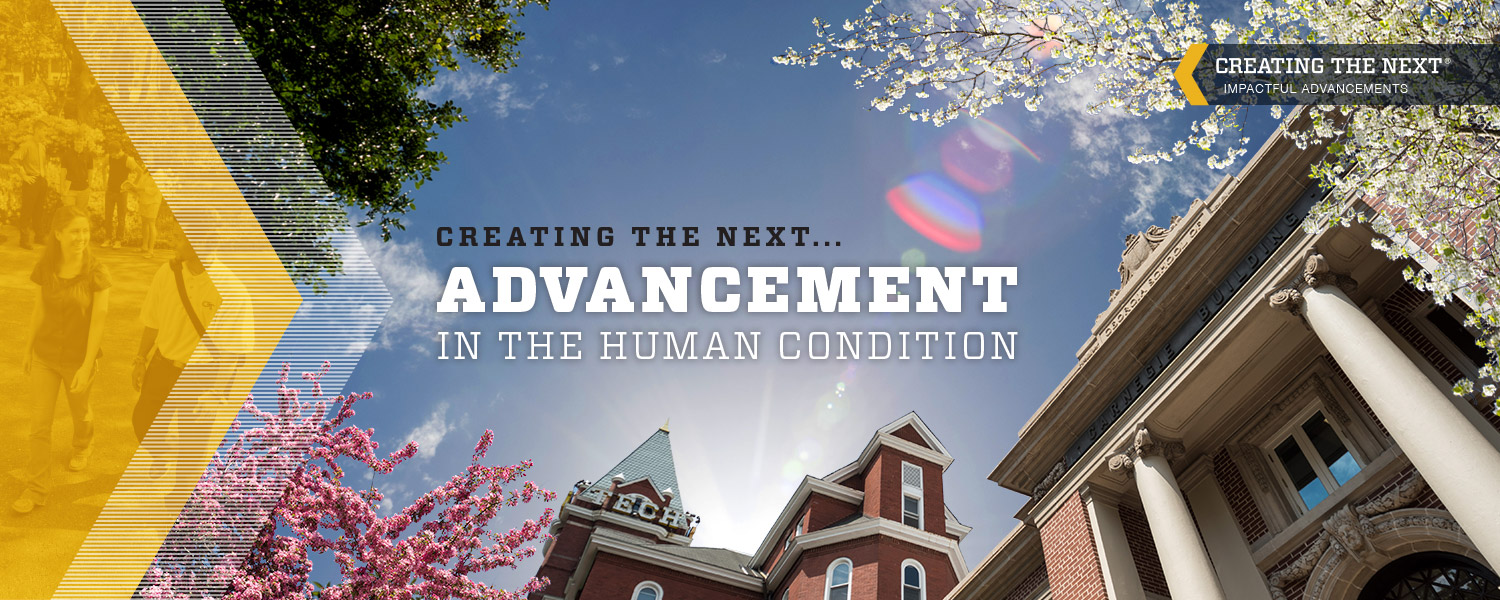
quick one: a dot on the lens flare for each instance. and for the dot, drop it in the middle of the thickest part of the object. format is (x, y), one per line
(975, 163)
(913, 257)
(938, 210)
(832, 410)
(996, 137)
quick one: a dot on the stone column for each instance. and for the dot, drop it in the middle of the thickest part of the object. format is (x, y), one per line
(1232, 559)
(1184, 560)
(1460, 465)
(1121, 581)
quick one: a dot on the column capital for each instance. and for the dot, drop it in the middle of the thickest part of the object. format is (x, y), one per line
(1141, 445)
(1315, 273)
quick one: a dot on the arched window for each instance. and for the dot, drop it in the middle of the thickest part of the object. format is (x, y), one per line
(839, 575)
(1432, 576)
(913, 581)
(646, 590)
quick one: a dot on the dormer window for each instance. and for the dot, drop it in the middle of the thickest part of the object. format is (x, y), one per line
(911, 495)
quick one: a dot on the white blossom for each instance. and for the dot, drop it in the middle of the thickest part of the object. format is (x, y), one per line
(1433, 171)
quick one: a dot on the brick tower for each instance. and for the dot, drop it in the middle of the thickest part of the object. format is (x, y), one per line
(876, 529)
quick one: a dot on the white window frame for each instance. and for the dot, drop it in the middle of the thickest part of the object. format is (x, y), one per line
(1293, 429)
(828, 578)
(908, 491)
(921, 573)
(647, 585)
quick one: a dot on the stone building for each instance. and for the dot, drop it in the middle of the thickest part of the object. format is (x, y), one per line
(1259, 413)
(876, 529)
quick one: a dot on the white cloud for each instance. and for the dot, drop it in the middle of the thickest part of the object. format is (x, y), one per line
(593, 66)
(620, 60)
(430, 433)
(460, 85)
(714, 57)
(414, 287)
(1102, 142)
(1172, 183)
(577, 112)
(505, 97)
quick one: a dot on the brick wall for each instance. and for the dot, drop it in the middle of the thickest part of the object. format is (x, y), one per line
(811, 572)
(1068, 548)
(1241, 503)
(1029, 585)
(1143, 550)
(613, 578)
(817, 513)
(563, 554)
(1343, 378)
(1471, 242)
(910, 434)
(824, 511)
(1397, 310)
(883, 489)
(891, 553)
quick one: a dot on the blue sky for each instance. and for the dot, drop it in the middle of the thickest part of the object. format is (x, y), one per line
(652, 114)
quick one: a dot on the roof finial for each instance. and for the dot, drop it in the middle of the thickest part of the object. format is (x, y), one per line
(664, 426)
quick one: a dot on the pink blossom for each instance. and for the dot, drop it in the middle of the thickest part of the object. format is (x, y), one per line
(231, 540)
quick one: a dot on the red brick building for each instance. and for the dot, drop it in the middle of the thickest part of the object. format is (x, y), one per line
(876, 529)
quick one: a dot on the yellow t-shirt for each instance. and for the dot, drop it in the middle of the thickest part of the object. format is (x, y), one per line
(175, 336)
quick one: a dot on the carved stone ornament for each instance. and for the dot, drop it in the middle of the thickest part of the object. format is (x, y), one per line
(1051, 479)
(1316, 272)
(1138, 247)
(1299, 569)
(1287, 299)
(1348, 530)
(1395, 498)
(1143, 444)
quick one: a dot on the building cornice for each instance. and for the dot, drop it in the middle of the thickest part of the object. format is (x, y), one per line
(1214, 237)
(862, 529)
(885, 436)
(1010, 563)
(890, 441)
(794, 506)
(608, 543)
(953, 527)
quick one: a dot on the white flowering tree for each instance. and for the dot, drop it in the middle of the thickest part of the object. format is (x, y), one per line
(1430, 171)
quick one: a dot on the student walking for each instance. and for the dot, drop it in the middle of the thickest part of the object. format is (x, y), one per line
(31, 157)
(62, 348)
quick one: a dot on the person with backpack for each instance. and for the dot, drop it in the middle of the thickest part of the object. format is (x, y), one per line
(179, 305)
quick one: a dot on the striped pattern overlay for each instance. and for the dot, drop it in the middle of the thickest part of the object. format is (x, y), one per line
(232, 171)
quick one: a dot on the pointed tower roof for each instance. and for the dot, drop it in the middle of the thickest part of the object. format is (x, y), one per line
(652, 460)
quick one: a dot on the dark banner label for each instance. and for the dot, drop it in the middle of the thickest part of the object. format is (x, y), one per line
(1373, 74)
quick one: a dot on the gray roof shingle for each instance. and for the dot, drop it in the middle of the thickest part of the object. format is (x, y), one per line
(651, 460)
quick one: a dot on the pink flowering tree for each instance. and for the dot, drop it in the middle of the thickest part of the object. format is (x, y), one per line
(227, 543)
